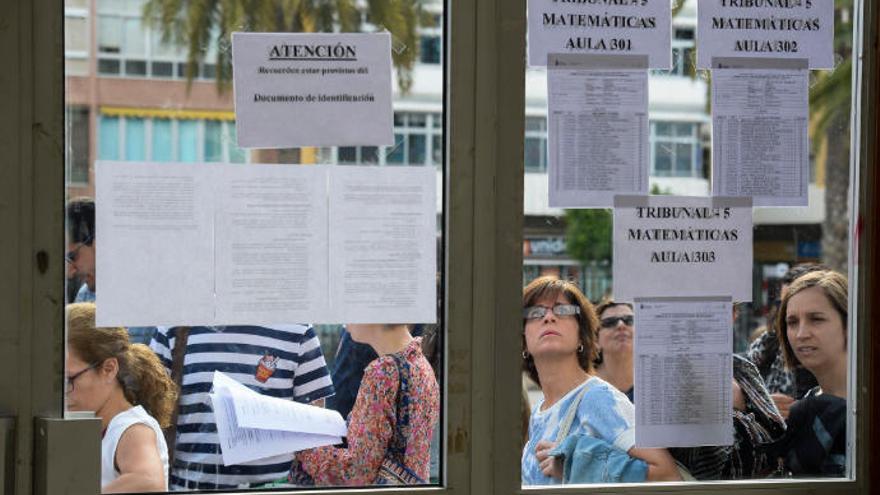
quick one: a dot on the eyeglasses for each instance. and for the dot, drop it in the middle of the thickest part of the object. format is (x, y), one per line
(611, 321)
(71, 255)
(535, 312)
(76, 375)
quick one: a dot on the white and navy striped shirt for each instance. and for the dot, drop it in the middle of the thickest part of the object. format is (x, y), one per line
(284, 361)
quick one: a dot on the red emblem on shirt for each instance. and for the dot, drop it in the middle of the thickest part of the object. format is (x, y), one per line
(266, 368)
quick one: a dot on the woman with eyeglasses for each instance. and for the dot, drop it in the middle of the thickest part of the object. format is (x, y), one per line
(126, 386)
(615, 361)
(559, 346)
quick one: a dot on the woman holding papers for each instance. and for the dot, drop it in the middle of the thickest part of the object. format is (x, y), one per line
(812, 332)
(580, 413)
(127, 387)
(393, 417)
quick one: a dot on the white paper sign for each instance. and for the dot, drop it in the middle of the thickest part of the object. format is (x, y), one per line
(673, 246)
(632, 27)
(271, 244)
(683, 372)
(233, 245)
(798, 29)
(383, 243)
(294, 89)
(760, 140)
(251, 426)
(149, 217)
(598, 135)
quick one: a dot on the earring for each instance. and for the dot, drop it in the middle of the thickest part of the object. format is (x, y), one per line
(581, 348)
(525, 354)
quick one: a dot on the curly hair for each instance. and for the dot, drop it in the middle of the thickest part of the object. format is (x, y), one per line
(142, 376)
(833, 285)
(550, 287)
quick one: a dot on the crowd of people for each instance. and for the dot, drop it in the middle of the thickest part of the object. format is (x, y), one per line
(581, 358)
(149, 386)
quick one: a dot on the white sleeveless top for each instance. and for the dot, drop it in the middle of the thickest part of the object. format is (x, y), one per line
(118, 425)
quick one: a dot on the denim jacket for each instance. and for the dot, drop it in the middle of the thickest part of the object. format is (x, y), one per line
(588, 459)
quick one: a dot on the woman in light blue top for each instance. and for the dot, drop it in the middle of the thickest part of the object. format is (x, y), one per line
(559, 346)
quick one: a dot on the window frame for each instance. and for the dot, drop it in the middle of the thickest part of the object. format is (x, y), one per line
(484, 255)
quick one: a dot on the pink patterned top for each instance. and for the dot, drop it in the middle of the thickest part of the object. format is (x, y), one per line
(371, 424)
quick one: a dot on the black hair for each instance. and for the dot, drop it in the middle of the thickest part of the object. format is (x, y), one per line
(81, 220)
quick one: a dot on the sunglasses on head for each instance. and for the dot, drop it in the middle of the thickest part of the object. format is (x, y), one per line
(611, 321)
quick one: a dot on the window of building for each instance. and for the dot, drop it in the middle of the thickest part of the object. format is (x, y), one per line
(536, 144)
(675, 149)
(418, 141)
(77, 156)
(127, 48)
(168, 140)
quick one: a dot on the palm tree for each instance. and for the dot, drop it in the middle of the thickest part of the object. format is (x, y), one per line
(830, 104)
(194, 24)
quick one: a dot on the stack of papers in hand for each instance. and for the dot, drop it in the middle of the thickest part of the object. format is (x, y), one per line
(253, 426)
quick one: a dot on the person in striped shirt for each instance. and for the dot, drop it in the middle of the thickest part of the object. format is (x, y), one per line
(282, 361)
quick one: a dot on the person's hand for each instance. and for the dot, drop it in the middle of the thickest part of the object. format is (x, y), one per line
(550, 466)
(739, 398)
(783, 403)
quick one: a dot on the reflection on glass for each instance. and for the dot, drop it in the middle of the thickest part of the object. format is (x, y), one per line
(151, 109)
(769, 388)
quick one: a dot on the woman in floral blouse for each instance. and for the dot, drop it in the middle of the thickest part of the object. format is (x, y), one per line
(373, 419)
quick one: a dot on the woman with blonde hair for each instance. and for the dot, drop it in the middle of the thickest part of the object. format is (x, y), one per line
(812, 323)
(127, 387)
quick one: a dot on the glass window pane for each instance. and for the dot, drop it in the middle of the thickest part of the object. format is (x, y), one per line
(162, 147)
(135, 39)
(213, 146)
(109, 34)
(78, 144)
(662, 159)
(663, 128)
(396, 154)
(135, 68)
(429, 50)
(437, 149)
(135, 148)
(162, 69)
(417, 120)
(683, 160)
(108, 66)
(369, 154)
(347, 154)
(76, 34)
(188, 140)
(684, 130)
(535, 123)
(236, 154)
(417, 149)
(534, 154)
(108, 138)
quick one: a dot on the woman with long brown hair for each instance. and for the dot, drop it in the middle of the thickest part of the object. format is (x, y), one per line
(127, 387)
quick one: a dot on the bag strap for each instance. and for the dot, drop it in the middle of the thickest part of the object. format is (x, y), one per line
(565, 426)
(181, 336)
(397, 447)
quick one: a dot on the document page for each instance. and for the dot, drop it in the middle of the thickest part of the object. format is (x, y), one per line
(598, 135)
(271, 244)
(312, 89)
(760, 139)
(247, 434)
(383, 227)
(153, 237)
(683, 372)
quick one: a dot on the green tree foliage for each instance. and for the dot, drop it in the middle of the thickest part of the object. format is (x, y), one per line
(196, 24)
(588, 235)
(830, 104)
